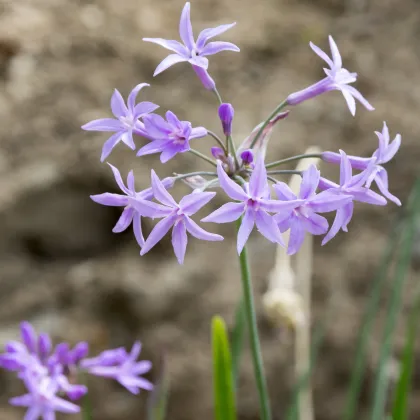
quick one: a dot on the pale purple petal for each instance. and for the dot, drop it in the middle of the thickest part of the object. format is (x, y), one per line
(226, 214)
(296, 237)
(206, 34)
(193, 202)
(258, 179)
(345, 169)
(118, 179)
(108, 199)
(130, 182)
(133, 384)
(335, 53)
(103, 124)
(160, 192)
(124, 221)
(156, 125)
(310, 180)
(198, 132)
(245, 230)
(156, 146)
(185, 28)
(179, 240)
(127, 138)
(142, 367)
(118, 106)
(218, 46)
(199, 61)
(170, 152)
(33, 413)
(131, 102)
(149, 208)
(342, 217)
(138, 233)
(143, 108)
(59, 404)
(331, 157)
(365, 195)
(22, 401)
(382, 183)
(167, 62)
(283, 191)
(29, 336)
(321, 54)
(360, 98)
(173, 120)
(268, 227)
(351, 103)
(392, 149)
(199, 232)
(274, 206)
(110, 144)
(171, 45)
(158, 232)
(314, 224)
(327, 201)
(232, 189)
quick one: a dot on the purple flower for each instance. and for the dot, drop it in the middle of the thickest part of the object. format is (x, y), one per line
(126, 121)
(352, 186)
(247, 157)
(41, 399)
(192, 51)
(169, 137)
(121, 366)
(226, 113)
(337, 78)
(129, 214)
(176, 215)
(383, 154)
(304, 218)
(254, 204)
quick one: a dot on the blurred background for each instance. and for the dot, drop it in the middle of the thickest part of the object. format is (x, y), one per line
(63, 269)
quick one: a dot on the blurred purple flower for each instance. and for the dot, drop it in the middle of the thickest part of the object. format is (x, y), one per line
(254, 204)
(383, 154)
(176, 215)
(304, 218)
(338, 78)
(122, 366)
(352, 186)
(192, 51)
(169, 137)
(129, 214)
(126, 121)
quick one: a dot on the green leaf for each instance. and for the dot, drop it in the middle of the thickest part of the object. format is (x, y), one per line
(224, 393)
(400, 408)
(158, 398)
(238, 336)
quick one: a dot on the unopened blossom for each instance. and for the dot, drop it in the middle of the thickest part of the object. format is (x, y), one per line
(383, 154)
(247, 157)
(126, 122)
(169, 137)
(123, 367)
(354, 187)
(175, 216)
(226, 113)
(194, 52)
(253, 203)
(304, 217)
(129, 214)
(338, 78)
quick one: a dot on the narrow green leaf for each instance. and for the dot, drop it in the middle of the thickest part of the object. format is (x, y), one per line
(400, 408)
(86, 403)
(158, 398)
(238, 335)
(224, 393)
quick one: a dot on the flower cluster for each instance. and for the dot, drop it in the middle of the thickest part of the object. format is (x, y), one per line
(52, 375)
(258, 197)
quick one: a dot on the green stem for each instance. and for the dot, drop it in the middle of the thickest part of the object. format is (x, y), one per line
(231, 146)
(253, 335)
(292, 159)
(238, 335)
(285, 172)
(204, 157)
(217, 138)
(203, 173)
(219, 98)
(266, 122)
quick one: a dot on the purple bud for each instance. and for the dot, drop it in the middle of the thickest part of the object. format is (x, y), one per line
(44, 345)
(247, 157)
(75, 392)
(205, 78)
(79, 352)
(218, 153)
(28, 336)
(226, 113)
(62, 353)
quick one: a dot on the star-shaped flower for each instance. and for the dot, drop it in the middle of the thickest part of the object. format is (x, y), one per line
(126, 121)
(254, 204)
(174, 215)
(169, 137)
(192, 51)
(338, 78)
(129, 214)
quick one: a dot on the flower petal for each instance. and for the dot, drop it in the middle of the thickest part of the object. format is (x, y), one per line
(354, 92)
(167, 62)
(206, 34)
(230, 187)
(365, 195)
(110, 144)
(284, 192)
(185, 27)
(138, 233)
(158, 232)
(160, 192)
(193, 202)
(143, 108)
(392, 149)
(327, 201)
(156, 146)
(381, 180)
(171, 45)
(342, 217)
(149, 208)
(351, 103)
(130, 182)
(29, 336)
(321, 54)
(268, 227)
(131, 102)
(226, 214)
(124, 221)
(103, 124)
(118, 179)
(314, 224)
(108, 199)
(335, 53)
(274, 206)
(179, 240)
(199, 61)
(245, 230)
(118, 106)
(296, 237)
(218, 46)
(258, 180)
(170, 152)
(198, 132)
(199, 232)
(345, 169)
(310, 180)
(127, 138)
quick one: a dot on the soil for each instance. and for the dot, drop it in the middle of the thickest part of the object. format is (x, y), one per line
(63, 269)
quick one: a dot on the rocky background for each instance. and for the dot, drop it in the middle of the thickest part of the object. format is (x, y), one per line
(63, 269)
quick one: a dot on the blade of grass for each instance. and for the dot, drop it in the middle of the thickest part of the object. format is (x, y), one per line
(238, 336)
(158, 398)
(224, 392)
(403, 265)
(400, 407)
(86, 403)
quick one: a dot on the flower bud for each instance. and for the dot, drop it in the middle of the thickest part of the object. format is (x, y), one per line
(205, 78)
(226, 113)
(218, 153)
(247, 157)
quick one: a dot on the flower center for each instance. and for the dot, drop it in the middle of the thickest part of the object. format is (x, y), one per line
(127, 122)
(253, 203)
